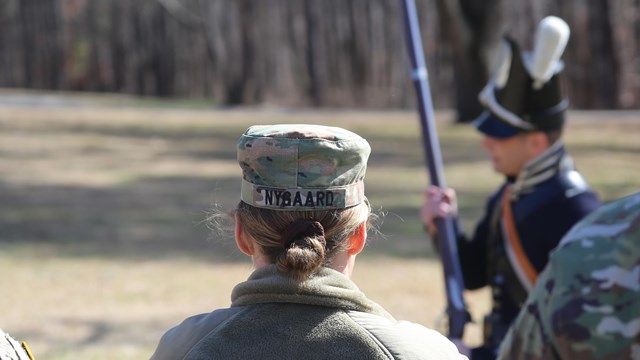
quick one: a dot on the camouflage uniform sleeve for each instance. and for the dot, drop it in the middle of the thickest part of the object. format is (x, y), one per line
(586, 303)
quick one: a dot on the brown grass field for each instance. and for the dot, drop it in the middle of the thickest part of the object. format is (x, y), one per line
(102, 200)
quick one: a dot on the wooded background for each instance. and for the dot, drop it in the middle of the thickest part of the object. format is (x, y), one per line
(338, 53)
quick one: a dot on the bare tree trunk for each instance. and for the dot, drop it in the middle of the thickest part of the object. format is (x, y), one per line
(625, 42)
(163, 52)
(474, 30)
(316, 64)
(604, 61)
(40, 23)
(119, 12)
(312, 52)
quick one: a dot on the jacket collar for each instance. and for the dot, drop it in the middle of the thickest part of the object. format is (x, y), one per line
(551, 162)
(327, 288)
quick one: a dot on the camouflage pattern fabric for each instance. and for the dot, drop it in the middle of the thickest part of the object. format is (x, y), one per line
(586, 304)
(302, 167)
(10, 349)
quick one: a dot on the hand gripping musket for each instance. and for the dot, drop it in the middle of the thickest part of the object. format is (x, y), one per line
(456, 309)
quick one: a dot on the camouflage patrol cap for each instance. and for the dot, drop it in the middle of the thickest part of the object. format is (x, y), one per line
(302, 167)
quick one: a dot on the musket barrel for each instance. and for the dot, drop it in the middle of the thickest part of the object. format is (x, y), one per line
(454, 285)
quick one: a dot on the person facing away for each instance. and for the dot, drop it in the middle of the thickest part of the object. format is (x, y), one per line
(586, 303)
(542, 196)
(302, 218)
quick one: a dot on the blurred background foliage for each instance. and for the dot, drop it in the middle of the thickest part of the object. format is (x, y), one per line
(335, 53)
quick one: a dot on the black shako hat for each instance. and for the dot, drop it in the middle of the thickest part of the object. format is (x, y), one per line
(524, 93)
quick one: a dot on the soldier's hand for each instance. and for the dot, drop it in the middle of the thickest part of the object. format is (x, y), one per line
(437, 204)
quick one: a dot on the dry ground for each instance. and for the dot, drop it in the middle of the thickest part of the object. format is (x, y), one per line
(102, 201)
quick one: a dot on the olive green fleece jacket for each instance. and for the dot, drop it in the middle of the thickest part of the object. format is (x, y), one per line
(324, 317)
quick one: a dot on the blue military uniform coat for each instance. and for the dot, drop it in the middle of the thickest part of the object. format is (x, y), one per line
(547, 199)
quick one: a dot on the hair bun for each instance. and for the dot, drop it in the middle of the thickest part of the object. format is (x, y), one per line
(301, 228)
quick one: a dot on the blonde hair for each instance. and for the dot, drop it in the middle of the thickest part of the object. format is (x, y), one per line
(307, 252)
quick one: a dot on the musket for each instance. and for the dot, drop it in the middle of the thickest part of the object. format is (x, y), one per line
(456, 310)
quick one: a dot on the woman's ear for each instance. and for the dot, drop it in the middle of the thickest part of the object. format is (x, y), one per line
(244, 244)
(358, 239)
